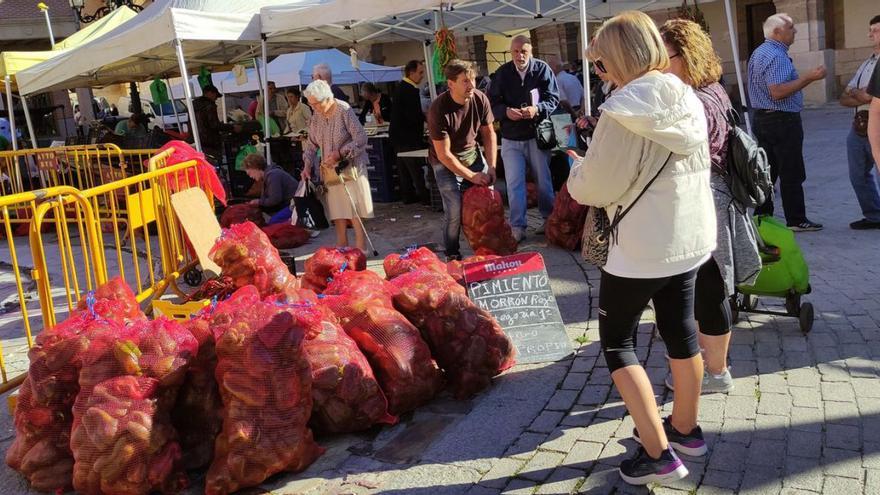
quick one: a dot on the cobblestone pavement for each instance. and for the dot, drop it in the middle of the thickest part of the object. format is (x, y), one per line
(802, 419)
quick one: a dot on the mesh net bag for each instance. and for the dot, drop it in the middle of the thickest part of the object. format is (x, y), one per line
(455, 268)
(399, 357)
(265, 385)
(327, 262)
(346, 395)
(482, 220)
(565, 225)
(197, 413)
(531, 195)
(467, 342)
(241, 213)
(247, 256)
(44, 412)
(114, 301)
(286, 236)
(398, 264)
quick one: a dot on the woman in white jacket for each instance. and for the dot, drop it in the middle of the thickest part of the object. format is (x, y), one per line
(652, 123)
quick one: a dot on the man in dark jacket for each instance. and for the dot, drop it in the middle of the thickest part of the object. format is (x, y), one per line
(408, 133)
(209, 125)
(375, 103)
(523, 93)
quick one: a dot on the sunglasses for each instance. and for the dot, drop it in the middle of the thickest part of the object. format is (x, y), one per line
(599, 65)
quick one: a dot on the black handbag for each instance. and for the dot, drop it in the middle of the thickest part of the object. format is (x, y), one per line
(309, 210)
(545, 135)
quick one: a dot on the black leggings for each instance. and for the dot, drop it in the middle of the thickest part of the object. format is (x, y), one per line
(711, 307)
(621, 302)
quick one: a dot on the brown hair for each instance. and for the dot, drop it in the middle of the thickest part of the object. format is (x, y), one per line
(255, 161)
(629, 46)
(702, 66)
(456, 67)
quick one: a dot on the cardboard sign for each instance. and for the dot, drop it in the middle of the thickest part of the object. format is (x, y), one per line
(516, 291)
(200, 224)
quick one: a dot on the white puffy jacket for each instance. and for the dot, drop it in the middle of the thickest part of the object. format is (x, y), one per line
(672, 227)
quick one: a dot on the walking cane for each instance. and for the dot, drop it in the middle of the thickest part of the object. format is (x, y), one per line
(339, 169)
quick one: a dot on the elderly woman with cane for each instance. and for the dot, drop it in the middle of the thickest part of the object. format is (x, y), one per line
(337, 133)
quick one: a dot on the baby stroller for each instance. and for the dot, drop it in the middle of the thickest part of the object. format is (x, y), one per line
(785, 274)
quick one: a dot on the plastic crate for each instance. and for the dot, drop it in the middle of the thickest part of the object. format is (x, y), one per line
(179, 312)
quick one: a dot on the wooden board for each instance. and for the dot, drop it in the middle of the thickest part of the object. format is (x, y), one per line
(201, 226)
(516, 291)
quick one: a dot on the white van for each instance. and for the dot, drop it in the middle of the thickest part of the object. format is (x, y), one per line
(163, 117)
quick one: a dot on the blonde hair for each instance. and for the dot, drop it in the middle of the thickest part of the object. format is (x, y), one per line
(629, 46)
(702, 66)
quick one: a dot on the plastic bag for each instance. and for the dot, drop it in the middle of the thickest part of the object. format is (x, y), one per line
(242, 212)
(265, 384)
(286, 236)
(247, 256)
(114, 301)
(455, 268)
(565, 225)
(467, 342)
(398, 264)
(204, 175)
(483, 222)
(400, 358)
(347, 396)
(329, 261)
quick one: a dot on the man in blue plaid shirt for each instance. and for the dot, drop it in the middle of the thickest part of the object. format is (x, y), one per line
(775, 90)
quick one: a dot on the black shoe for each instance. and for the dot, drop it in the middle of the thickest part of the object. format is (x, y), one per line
(691, 444)
(864, 224)
(806, 226)
(453, 257)
(641, 469)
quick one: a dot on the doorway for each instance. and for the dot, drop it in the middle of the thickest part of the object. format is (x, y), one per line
(756, 14)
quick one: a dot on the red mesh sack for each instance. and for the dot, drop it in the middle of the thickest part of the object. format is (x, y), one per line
(398, 264)
(197, 413)
(346, 395)
(44, 412)
(455, 268)
(125, 443)
(531, 195)
(240, 213)
(247, 256)
(399, 357)
(265, 385)
(114, 301)
(565, 225)
(205, 172)
(467, 342)
(286, 236)
(220, 287)
(482, 220)
(328, 261)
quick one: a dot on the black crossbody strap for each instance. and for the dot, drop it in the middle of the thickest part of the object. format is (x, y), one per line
(619, 217)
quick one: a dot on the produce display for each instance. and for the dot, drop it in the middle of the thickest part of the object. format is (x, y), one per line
(565, 225)
(247, 256)
(531, 195)
(467, 342)
(327, 262)
(220, 288)
(455, 268)
(113, 300)
(398, 264)
(265, 385)
(395, 349)
(240, 213)
(482, 219)
(286, 236)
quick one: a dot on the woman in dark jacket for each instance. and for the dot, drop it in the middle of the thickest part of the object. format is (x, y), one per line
(278, 186)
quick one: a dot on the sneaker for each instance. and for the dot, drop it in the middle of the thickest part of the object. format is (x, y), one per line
(518, 234)
(641, 469)
(712, 383)
(313, 233)
(691, 444)
(806, 226)
(864, 224)
(543, 229)
(453, 257)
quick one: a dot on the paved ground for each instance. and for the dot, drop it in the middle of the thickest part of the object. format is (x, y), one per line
(803, 418)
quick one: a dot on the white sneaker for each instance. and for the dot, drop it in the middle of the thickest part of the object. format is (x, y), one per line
(518, 234)
(712, 384)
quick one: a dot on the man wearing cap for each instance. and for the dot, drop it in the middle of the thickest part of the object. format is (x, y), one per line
(208, 122)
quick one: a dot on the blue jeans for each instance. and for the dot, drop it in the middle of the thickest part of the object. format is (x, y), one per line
(862, 175)
(516, 154)
(451, 188)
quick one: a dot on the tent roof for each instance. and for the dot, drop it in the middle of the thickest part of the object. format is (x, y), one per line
(214, 32)
(292, 69)
(13, 62)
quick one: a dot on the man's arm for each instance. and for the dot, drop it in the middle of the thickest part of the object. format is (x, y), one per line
(443, 149)
(874, 130)
(855, 97)
(784, 90)
(490, 145)
(549, 92)
(499, 106)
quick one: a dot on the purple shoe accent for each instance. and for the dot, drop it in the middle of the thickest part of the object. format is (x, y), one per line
(693, 444)
(671, 467)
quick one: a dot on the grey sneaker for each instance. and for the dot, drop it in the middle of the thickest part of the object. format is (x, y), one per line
(518, 234)
(712, 384)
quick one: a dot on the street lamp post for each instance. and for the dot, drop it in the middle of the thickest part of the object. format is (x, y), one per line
(45, 8)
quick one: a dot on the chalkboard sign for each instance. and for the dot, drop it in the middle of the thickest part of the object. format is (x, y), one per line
(516, 291)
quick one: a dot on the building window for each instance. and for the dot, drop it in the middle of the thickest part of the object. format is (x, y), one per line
(756, 14)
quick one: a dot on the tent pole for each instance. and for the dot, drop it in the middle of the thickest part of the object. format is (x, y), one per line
(734, 45)
(585, 66)
(429, 70)
(12, 130)
(30, 125)
(266, 116)
(223, 107)
(174, 106)
(187, 91)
